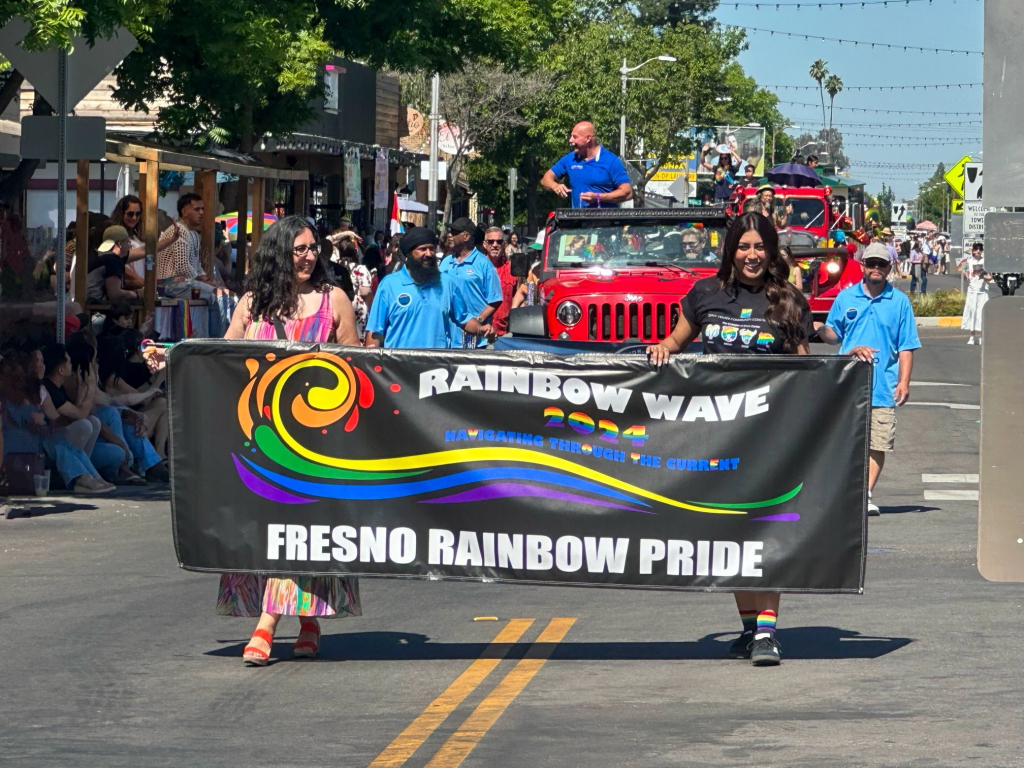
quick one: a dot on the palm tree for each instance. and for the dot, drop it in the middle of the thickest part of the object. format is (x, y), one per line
(818, 72)
(833, 85)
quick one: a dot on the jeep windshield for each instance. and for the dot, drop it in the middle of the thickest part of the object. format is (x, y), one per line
(680, 244)
(802, 212)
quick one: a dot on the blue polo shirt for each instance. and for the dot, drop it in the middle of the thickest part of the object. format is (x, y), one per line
(412, 316)
(885, 323)
(604, 173)
(475, 284)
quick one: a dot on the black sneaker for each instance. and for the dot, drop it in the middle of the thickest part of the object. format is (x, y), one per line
(740, 649)
(765, 651)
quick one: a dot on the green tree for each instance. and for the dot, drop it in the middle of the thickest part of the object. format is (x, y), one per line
(932, 197)
(886, 198)
(826, 138)
(833, 85)
(819, 72)
(660, 112)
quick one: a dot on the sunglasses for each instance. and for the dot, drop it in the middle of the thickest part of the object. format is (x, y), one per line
(132, 214)
(876, 264)
(494, 242)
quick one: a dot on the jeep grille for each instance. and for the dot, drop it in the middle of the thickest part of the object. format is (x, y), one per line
(618, 321)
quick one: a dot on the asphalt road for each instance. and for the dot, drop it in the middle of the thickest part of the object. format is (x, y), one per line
(112, 656)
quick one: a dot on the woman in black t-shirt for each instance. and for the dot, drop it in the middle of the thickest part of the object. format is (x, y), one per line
(750, 307)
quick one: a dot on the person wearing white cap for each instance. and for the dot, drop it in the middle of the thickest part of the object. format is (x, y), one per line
(105, 281)
(978, 284)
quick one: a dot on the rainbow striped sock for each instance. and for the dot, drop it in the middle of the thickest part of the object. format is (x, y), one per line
(749, 619)
(765, 623)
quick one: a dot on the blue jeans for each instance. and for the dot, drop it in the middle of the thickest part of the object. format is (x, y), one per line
(109, 457)
(915, 271)
(20, 437)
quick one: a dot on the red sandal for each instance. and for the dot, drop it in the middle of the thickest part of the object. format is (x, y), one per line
(307, 649)
(257, 657)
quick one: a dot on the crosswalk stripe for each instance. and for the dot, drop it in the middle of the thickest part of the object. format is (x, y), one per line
(949, 478)
(952, 406)
(950, 495)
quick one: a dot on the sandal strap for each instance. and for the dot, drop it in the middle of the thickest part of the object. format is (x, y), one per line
(252, 650)
(308, 626)
(262, 634)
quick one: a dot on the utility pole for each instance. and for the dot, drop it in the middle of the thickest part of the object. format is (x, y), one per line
(622, 117)
(62, 187)
(435, 93)
(513, 179)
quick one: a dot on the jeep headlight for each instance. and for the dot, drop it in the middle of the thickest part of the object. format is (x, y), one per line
(569, 313)
(833, 268)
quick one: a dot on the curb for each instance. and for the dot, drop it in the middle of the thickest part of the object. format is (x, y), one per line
(940, 322)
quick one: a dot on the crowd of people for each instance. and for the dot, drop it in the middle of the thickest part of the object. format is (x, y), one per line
(95, 407)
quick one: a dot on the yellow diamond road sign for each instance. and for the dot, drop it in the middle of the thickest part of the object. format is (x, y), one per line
(956, 206)
(955, 176)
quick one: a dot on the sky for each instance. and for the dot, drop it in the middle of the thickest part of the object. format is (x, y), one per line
(947, 24)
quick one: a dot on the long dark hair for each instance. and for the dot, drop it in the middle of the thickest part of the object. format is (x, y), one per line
(117, 217)
(271, 280)
(785, 303)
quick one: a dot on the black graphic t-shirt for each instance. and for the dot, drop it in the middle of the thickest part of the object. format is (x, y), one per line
(732, 321)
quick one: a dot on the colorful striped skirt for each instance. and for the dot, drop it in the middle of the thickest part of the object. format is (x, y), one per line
(326, 597)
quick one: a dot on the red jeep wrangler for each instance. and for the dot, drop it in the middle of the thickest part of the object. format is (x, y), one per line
(618, 274)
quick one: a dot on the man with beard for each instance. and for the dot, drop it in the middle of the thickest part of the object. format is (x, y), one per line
(494, 247)
(474, 280)
(414, 307)
(597, 178)
(875, 323)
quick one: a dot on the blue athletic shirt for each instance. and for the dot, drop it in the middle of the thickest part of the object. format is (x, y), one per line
(476, 284)
(885, 323)
(603, 173)
(408, 315)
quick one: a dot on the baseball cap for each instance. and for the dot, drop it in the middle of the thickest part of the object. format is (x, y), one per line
(875, 251)
(764, 184)
(462, 224)
(111, 237)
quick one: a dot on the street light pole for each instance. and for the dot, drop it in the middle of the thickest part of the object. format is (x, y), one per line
(435, 89)
(624, 72)
(622, 118)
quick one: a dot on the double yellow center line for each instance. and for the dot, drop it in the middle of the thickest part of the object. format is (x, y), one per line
(461, 743)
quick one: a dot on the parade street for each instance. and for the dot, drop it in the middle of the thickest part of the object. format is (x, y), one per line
(113, 655)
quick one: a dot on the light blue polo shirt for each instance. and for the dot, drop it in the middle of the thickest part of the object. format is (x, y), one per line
(604, 173)
(885, 323)
(475, 283)
(412, 316)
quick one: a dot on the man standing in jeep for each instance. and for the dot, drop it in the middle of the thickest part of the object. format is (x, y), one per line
(597, 178)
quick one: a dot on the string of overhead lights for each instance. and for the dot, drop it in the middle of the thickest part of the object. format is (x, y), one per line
(856, 43)
(952, 124)
(941, 143)
(891, 166)
(879, 111)
(841, 4)
(947, 86)
(918, 136)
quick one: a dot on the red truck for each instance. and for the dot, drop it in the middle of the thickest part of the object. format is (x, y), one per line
(618, 274)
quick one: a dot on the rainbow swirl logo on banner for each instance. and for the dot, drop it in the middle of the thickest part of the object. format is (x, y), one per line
(281, 467)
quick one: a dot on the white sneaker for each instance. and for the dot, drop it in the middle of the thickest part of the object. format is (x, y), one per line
(873, 510)
(979, 341)
(971, 341)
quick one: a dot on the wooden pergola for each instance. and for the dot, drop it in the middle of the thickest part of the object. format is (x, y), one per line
(151, 160)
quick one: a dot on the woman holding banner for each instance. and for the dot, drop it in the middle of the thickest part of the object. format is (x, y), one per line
(289, 297)
(750, 307)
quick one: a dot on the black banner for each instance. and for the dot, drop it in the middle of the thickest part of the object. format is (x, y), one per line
(736, 472)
